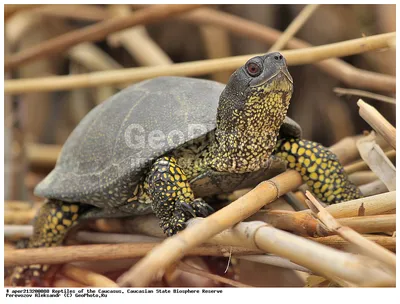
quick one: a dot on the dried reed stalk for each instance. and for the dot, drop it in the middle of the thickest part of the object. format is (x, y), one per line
(217, 44)
(137, 41)
(373, 188)
(21, 217)
(362, 177)
(194, 68)
(274, 261)
(191, 269)
(376, 159)
(96, 32)
(75, 11)
(113, 238)
(362, 165)
(343, 91)
(346, 149)
(10, 9)
(320, 259)
(64, 282)
(294, 27)
(92, 57)
(104, 252)
(370, 224)
(378, 122)
(86, 277)
(22, 231)
(363, 244)
(344, 72)
(296, 222)
(43, 155)
(372, 205)
(174, 248)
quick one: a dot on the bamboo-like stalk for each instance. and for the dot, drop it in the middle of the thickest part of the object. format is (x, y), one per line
(362, 165)
(43, 155)
(370, 224)
(274, 261)
(366, 246)
(113, 238)
(10, 9)
(373, 188)
(316, 257)
(372, 205)
(104, 252)
(217, 44)
(346, 149)
(175, 247)
(362, 177)
(296, 222)
(76, 11)
(361, 93)
(305, 224)
(96, 32)
(17, 205)
(92, 57)
(376, 159)
(86, 277)
(21, 217)
(190, 269)
(321, 259)
(194, 68)
(344, 72)
(336, 241)
(378, 122)
(294, 27)
(64, 282)
(137, 42)
(17, 230)
(301, 223)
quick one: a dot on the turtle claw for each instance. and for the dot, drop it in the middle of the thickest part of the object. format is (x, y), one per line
(202, 208)
(186, 208)
(197, 208)
(183, 213)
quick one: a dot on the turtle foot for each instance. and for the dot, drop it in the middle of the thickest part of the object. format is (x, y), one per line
(183, 213)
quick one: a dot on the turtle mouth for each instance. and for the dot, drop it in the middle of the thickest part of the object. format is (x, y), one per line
(282, 73)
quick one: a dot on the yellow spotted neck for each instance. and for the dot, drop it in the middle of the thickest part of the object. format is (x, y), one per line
(245, 140)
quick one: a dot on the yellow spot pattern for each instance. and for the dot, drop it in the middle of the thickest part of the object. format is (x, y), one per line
(319, 168)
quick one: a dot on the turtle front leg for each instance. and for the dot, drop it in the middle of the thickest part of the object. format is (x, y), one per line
(319, 168)
(53, 221)
(172, 198)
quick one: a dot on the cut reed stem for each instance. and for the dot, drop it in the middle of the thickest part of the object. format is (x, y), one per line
(378, 122)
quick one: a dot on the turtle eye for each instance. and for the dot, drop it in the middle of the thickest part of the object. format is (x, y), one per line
(253, 69)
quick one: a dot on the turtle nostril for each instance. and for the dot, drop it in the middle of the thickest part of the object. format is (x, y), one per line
(276, 57)
(280, 57)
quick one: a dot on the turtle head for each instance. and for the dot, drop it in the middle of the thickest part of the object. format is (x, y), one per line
(260, 89)
(254, 104)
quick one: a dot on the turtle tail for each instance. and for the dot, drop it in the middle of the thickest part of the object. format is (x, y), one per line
(319, 168)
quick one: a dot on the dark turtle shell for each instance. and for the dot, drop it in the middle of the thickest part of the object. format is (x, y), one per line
(108, 152)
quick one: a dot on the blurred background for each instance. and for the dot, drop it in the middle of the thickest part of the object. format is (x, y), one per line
(37, 124)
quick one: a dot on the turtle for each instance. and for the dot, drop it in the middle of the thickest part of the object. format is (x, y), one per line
(166, 144)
